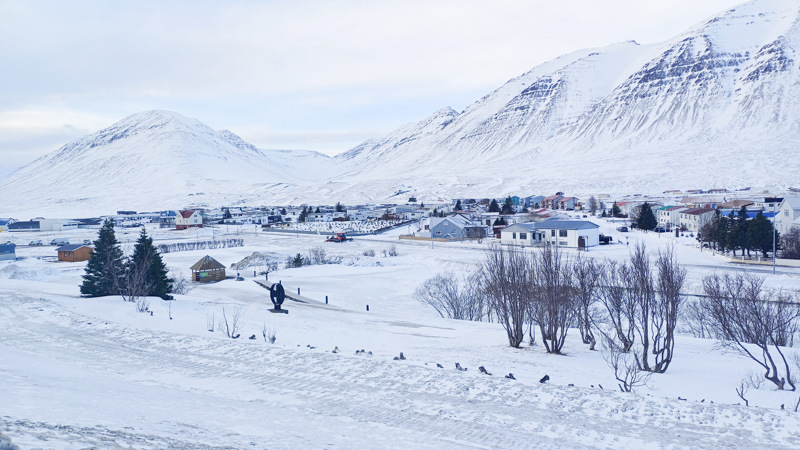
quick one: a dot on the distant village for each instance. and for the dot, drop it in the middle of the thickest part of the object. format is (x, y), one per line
(558, 219)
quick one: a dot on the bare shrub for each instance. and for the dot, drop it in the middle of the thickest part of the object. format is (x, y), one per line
(392, 250)
(617, 306)
(506, 278)
(626, 368)
(369, 252)
(585, 273)
(453, 298)
(317, 255)
(268, 333)
(230, 324)
(754, 321)
(553, 298)
(741, 391)
(142, 304)
(181, 284)
(210, 322)
(753, 379)
(663, 318)
(696, 321)
(790, 244)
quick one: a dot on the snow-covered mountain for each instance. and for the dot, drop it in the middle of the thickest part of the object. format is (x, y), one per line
(717, 106)
(153, 160)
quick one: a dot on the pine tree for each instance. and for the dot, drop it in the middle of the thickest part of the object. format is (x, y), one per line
(317, 211)
(339, 207)
(759, 234)
(646, 220)
(615, 211)
(458, 206)
(146, 259)
(507, 207)
(227, 214)
(493, 206)
(104, 266)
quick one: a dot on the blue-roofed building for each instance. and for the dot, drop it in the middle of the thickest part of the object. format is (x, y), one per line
(522, 234)
(8, 251)
(4, 222)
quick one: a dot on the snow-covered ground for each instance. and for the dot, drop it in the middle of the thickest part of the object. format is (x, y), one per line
(78, 372)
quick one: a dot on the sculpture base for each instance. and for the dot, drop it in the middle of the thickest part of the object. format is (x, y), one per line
(279, 311)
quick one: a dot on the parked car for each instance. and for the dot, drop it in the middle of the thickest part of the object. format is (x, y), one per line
(660, 230)
(36, 243)
(59, 241)
(605, 240)
(622, 229)
(87, 242)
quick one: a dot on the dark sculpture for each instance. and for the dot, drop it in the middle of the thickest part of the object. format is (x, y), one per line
(277, 295)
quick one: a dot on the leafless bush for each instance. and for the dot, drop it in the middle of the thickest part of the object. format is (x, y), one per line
(626, 368)
(317, 255)
(695, 320)
(617, 306)
(663, 314)
(741, 391)
(133, 283)
(506, 277)
(753, 379)
(790, 244)
(181, 284)
(742, 312)
(453, 298)
(369, 252)
(268, 333)
(142, 304)
(230, 326)
(210, 322)
(585, 273)
(392, 250)
(553, 302)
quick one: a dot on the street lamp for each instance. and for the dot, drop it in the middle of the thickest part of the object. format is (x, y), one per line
(774, 231)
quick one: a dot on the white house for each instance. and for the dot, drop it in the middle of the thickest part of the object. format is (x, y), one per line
(188, 218)
(569, 233)
(788, 214)
(522, 234)
(669, 216)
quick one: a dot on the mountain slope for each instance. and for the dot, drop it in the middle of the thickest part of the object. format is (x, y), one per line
(625, 118)
(153, 160)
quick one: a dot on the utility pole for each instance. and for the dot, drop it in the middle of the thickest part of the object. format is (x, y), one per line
(774, 231)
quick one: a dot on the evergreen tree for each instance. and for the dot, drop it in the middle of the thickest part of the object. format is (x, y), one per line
(458, 206)
(500, 221)
(104, 266)
(737, 235)
(303, 215)
(146, 259)
(493, 206)
(227, 214)
(615, 211)
(646, 220)
(759, 234)
(339, 207)
(507, 207)
(317, 211)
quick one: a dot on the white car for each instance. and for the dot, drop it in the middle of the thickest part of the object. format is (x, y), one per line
(36, 243)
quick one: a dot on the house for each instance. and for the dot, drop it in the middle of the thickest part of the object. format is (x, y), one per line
(188, 218)
(787, 214)
(8, 251)
(692, 219)
(669, 217)
(457, 226)
(567, 203)
(551, 202)
(207, 269)
(522, 234)
(534, 201)
(74, 252)
(569, 233)
(4, 222)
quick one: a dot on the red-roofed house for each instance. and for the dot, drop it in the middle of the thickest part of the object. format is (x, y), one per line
(188, 218)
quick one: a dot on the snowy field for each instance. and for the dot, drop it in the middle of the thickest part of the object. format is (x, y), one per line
(77, 372)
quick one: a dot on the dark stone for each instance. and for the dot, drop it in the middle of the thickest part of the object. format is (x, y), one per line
(545, 379)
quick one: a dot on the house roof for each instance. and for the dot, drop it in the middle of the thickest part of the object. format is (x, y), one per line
(71, 247)
(553, 197)
(555, 224)
(207, 263)
(696, 211)
(527, 226)
(186, 213)
(793, 202)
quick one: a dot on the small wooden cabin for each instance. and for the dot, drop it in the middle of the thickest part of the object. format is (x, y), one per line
(207, 269)
(74, 252)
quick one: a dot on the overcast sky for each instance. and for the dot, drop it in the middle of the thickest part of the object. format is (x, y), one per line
(319, 75)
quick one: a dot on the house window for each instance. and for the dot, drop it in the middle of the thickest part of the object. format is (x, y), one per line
(523, 236)
(564, 243)
(552, 232)
(562, 233)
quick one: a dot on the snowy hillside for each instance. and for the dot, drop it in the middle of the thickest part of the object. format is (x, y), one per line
(710, 108)
(715, 107)
(153, 160)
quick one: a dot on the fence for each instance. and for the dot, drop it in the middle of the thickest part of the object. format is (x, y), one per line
(199, 245)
